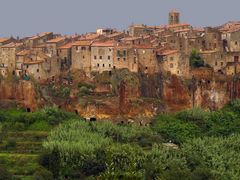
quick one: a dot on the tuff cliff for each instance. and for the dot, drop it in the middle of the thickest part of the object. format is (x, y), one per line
(124, 96)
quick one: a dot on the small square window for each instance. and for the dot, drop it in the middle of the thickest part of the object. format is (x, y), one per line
(95, 57)
(100, 57)
(109, 57)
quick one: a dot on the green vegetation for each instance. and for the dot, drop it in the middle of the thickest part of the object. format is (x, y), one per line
(60, 92)
(196, 60)
(193, 144)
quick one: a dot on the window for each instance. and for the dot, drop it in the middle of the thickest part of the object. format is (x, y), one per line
(236, 43)
(83, 48)
(135, 60)
(76, 48)
(124, 53)
(27, 66)
(100, 57)
(97, 65)
(83, 57)
(216, 63)
(124, 59)
(171, 65)
(109, 57)
(103, 65)
(95, 57)
(110, 49)
(146, 67)
(221, 63)
(37, 70)
(118, 59)
(118, 53)
(171, 58)
(109, 65)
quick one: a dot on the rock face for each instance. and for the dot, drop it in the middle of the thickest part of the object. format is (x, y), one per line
(23, 92)
(147, 96)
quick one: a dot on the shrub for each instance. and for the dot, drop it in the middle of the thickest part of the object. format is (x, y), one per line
(11, 144)
(40, 126)
(4, 174)
(175, 130)
(195, 115)
(43, 174)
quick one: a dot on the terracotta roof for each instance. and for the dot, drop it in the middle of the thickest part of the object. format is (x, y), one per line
(103, 44)
(40, 35)
(82, 43)
(12, 45)
(177, 25)
(89, 37)
(23, 53)
(114, 34)
(56, 40)
(130, 38)
(182, 30)
(167, 52)
(3, 39)
(67, 46)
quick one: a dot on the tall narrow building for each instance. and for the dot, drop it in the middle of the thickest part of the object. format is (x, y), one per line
(174, 17)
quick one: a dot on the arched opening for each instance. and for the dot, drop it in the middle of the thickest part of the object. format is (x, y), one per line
(28, 109)
(93, 119)
(76, 111)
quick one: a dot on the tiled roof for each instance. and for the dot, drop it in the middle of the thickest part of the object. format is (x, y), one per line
(66, 46)
(103, 44)
(3, 39)
(82, 43)
(12, 45)
(56, 40)
(177, 25)
(130, 38)
(23, 53)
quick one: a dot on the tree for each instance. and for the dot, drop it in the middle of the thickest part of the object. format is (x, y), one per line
(196, 60)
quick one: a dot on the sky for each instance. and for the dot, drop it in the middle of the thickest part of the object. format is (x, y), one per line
(28, 17)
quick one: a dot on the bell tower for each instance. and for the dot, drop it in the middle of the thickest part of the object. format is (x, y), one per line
(174, 18)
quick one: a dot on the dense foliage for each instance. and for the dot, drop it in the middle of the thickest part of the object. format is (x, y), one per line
(192, 144)
(208, 147)
(196, 60)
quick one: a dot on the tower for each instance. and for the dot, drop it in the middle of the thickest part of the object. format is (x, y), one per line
(174, 17)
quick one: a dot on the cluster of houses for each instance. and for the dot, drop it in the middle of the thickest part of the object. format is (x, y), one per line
(146, 49)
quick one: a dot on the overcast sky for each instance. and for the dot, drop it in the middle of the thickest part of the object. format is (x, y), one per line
(28, 17)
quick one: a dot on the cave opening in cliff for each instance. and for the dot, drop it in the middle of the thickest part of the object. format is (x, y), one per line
(76, 112)
(93, 119)
(28, 109)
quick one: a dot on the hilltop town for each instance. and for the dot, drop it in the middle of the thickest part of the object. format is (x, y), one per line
(166, 50)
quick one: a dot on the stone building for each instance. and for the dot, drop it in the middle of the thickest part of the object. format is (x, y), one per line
(37, 65)
(4, 41)
(64, 54)
(38, 39)
(174, 18)
(81, 56)
(125, 57)
(102, 56)
(174, 62)
(8, 57)
(146, 57)
(53, 44)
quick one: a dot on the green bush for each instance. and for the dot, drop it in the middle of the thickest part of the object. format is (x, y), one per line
(175, 130)
(40, 126)
(4, 174)
(11, 144)
(43, 174)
